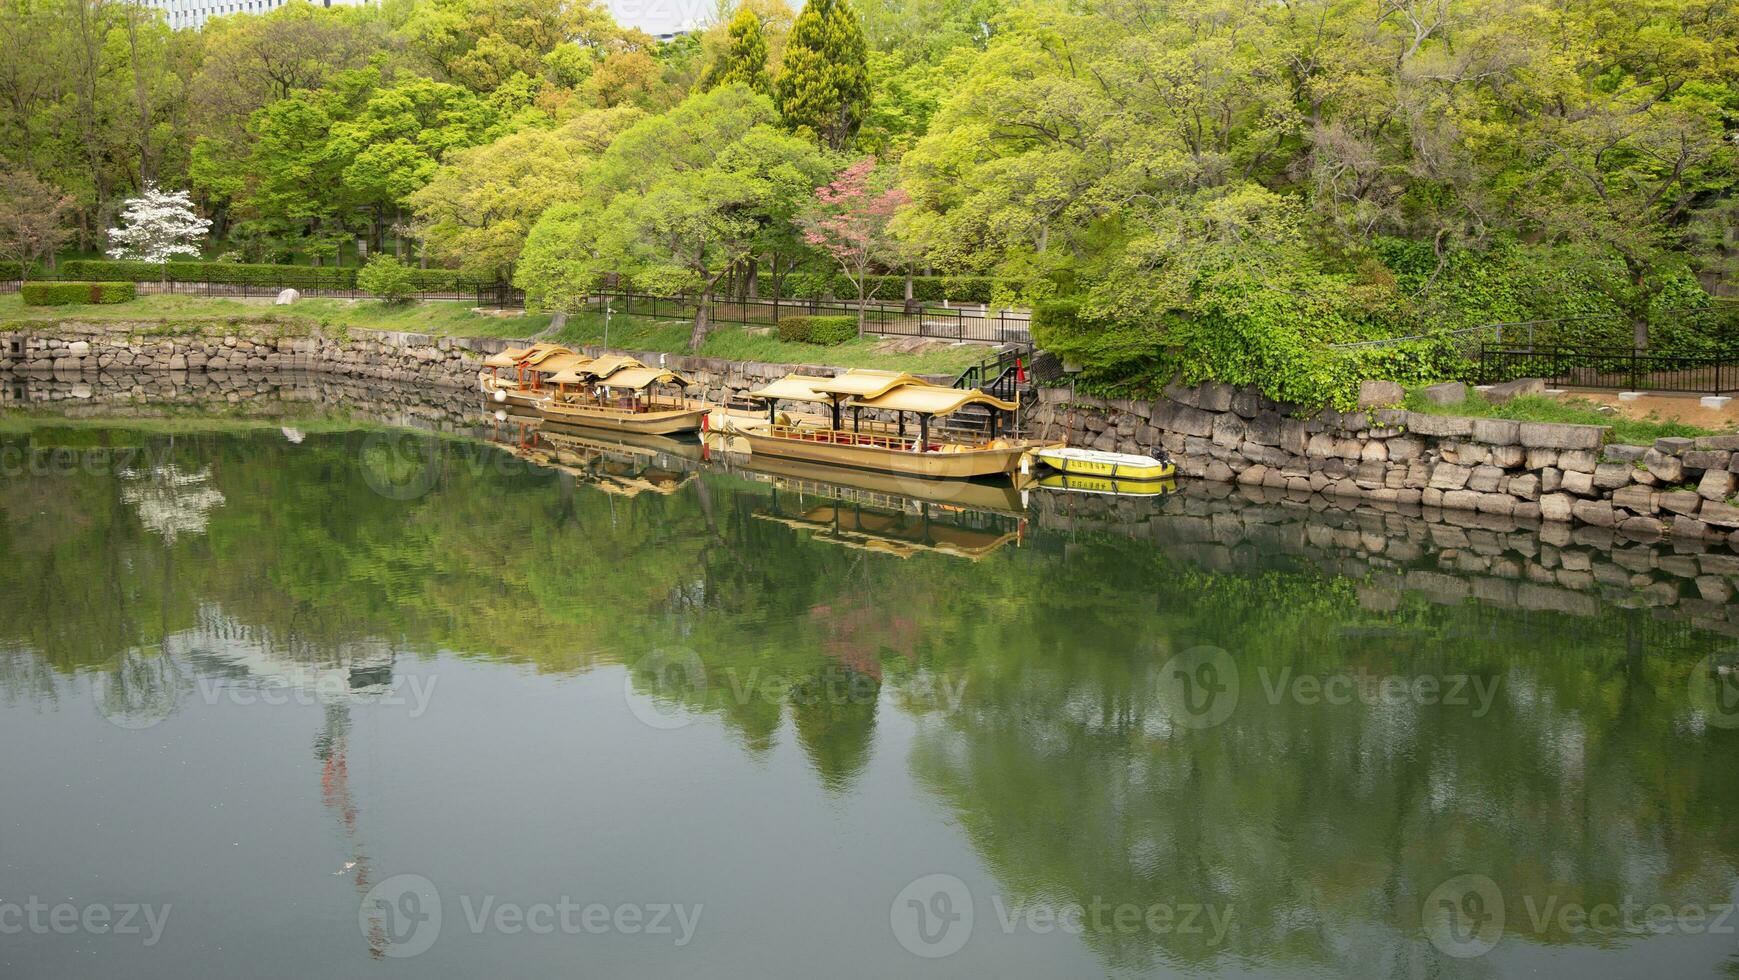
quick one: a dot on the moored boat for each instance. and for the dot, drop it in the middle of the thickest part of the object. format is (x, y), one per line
(1112, 466)
(529, 370)
(620, 394)
(884, 441)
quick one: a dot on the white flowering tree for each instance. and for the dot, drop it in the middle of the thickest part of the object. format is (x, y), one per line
(156, 226)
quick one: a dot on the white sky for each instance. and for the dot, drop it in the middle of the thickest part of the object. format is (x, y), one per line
(659, 16)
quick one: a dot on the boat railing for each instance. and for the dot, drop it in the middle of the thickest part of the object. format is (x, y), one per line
(876, 435)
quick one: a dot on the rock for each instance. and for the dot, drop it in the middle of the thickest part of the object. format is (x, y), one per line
(1452, 426)
(1537, 459)
(1484, 478)
(1666, 467)
(1727, 442)
(1173, 417)
(1527, 487)
(1449, 476)
(1556, 507)
(1673, 445)
(78, 348)
(1647, 528)
(1681, 501)
(1611, 476)
(1581, 484)
(1496, 432)
(1447, 393)
(1264, 429)
(1375, 451)
(1690, 528)
(1623, 454)
(1596, 512)
(1228, 430)
(1637, 498)
(286, 297)
(1707, 459)
(1715, 485)
(1404, 449)
(1719, 513)
(1499, 393)
(1507, 457)
(1554, 435)
(1377, 394)
(1460, 500)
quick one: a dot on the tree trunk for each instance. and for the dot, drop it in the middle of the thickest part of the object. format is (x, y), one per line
(1639, 316)
(752, 280)
(862, 301)
(776, 292)
(698, 337)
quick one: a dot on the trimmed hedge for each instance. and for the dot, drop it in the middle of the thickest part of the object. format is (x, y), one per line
(826, 330)
(246, 274)
(70, 293)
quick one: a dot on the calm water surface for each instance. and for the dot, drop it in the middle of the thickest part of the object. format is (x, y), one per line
(339, 702)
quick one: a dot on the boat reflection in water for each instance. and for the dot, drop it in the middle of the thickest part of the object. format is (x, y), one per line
(625, 464)
(970, 522)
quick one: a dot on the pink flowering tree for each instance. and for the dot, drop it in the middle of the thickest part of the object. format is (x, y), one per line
(849, 221)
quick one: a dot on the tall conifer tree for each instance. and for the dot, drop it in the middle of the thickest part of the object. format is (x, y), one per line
(824, 84)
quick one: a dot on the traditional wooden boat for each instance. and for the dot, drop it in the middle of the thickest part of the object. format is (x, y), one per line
(876, 443)
(530, 369)
(620, 394)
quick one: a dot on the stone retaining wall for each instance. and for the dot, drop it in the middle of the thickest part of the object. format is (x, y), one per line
(1527, 470)
(72, 347)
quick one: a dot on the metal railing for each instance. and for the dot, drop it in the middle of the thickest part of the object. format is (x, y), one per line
(966, 323)
(1625, 368)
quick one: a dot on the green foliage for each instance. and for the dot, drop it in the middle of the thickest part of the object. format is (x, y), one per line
(745, 57)
(387, 278)
(823, 84)
(825, 330)
(264, 275)
(72, 293)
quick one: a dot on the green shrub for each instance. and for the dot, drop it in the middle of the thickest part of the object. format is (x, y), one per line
(70, 293)
(257, 274)
(388, 278)
(826, 330)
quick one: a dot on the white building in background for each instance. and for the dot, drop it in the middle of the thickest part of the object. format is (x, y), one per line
(194, 13)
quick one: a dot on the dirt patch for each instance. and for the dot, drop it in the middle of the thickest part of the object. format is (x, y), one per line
(910, 345)
(1688, 409)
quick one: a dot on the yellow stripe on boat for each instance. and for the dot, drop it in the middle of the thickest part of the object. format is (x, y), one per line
(1116, 466)
(1099, 484)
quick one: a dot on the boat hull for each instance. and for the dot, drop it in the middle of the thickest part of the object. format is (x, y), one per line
(509, 393)
(1109, 466)
(643, 423)
(932, 466)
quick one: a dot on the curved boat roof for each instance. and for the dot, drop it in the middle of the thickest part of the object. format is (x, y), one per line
(535, 354)
(792, 387)
(640, 377)
(595, 370)
(507, 357)
(865, 384)
(561, 361)
(926, 399)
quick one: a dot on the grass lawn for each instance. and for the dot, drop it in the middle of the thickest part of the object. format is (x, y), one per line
(1625, 431)
(733, 342)
(456, 319)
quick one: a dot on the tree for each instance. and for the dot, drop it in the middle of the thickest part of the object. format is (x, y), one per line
(32, 220)
(478, 208)
(158, 225)
(745, 58)
(824, 81)
(676, 203)
(849, 221)
(388, 278)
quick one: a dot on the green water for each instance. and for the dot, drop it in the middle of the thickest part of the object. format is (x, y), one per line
(293, 692)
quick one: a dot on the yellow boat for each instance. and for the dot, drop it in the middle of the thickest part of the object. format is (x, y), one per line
(876, 443)
(617, 393)
(1105, 485)
(530, 368)
(1115, 466)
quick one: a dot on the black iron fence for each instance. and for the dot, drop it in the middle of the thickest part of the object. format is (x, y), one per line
(941, 321)
(1623, 368)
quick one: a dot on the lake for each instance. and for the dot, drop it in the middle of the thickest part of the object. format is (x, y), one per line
(287, 689)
